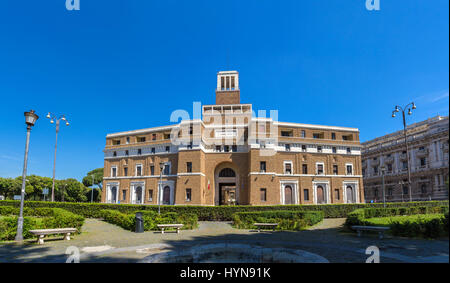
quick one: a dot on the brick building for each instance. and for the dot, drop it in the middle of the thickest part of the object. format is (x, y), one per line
(229, 156)
(428, 155)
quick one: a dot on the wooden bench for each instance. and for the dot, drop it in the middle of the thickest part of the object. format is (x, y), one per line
(43, 232)
(163, 226)
(379, 229)
(259, 225)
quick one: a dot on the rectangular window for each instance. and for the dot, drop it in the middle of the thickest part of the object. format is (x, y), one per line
(389, 168)
(334, 149)
(126, 152)
(336, 194)
(140, 139)
(234, 148)
(153, 150)
(303, 134)
(218, 148)
(405, 190)
(226, 148)
(335, 169)
(113, 171)
(188, 194)
(124, 195)
(125, 171)
(287, 168)
(128, 140)
(152, 170)
(349, 169)
(333, 136)
(262, 166)
(303, 148)
(287, 147)
(375, 170)
(139, 151)
(153, 137)
(167, 148)
(189, 167)
(150, 195)
(349, 150)
(115, 153)
(138, 170)
(116, 142)
(405, 165)
(304, 168)
(306, 194)
(263, 193)
(189, 146)
(319, 169)
(319, 149)
(423, 161)
(166, 170)
(317, 135)
(286, 133)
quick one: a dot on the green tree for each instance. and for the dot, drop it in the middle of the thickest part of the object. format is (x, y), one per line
(98, 181)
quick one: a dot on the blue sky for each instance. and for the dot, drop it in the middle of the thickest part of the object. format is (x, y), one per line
(124, 65)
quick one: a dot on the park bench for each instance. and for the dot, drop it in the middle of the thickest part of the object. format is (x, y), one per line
(43, 232)
(164, 226)
(259, 225)
(379, 229)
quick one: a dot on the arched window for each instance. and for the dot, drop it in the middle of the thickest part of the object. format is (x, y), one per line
(227, 172)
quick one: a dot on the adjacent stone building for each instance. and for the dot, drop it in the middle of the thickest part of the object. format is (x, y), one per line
(428, 153)
(227, 156)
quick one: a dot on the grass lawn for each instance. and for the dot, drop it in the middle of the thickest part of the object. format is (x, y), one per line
(386, 221)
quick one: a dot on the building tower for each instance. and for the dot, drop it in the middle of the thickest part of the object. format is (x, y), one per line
(227, 91)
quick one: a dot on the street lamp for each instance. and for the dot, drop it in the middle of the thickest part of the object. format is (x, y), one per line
(53, 118)
(30, 119)
(92, 190)
(403, 109)
(383, 170)
(161, 167)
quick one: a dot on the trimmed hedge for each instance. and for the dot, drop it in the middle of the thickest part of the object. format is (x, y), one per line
(151, 219)
(214, 213)
(287, 220)
(428, 222)
(36, 218)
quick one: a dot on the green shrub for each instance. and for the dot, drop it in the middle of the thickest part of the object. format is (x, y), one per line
(36, 218)
(287, 220)
(428, 222)
(151, 219)
(214, 213)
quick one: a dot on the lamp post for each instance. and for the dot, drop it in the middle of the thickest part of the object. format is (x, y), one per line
(383, 170)
(403, 109)
(161, 167)
(53, 118)
(92, 190)
(30, 119)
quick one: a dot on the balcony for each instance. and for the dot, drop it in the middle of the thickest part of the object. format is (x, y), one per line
(422, 152)
(389, 160)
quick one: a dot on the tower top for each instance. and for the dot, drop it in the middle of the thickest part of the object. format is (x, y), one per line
(227, 81)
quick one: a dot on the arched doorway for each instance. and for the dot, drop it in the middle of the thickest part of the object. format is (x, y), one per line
(350, 195)
(113, 194)
(226, 183)
(166, 195)
(138, 195)
(288, 195)
(320, 195)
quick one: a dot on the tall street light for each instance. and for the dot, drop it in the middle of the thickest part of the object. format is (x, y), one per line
(53, 118)
(403, 109)
(161, 168)
(383, 170)
(30, 119)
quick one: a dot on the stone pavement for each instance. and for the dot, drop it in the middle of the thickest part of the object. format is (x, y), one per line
(103, 242)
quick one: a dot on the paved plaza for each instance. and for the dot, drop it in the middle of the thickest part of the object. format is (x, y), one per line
(103, 242)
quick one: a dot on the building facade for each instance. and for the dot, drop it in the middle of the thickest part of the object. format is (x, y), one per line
(428, 153)
(229, 156)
